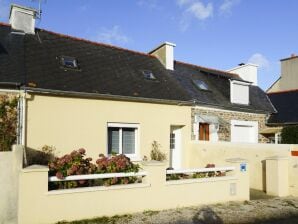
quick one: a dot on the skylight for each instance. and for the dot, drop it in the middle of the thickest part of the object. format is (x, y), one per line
(148, 75)
(200, 84)
(69, 62)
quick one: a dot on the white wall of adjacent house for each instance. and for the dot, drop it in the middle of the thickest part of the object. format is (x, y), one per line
(239, 92)
(244, 131)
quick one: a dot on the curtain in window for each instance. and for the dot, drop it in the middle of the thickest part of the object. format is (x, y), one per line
(128, 140)
(113, 144)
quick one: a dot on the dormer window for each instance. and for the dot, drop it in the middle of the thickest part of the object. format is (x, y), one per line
(239, 92)
(200, 84)
(69, 62)
(148, 75)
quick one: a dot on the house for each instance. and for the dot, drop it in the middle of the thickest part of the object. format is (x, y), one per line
(77, 93)
(284, 96)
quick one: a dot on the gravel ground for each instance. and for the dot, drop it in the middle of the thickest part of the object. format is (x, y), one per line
(260, 211)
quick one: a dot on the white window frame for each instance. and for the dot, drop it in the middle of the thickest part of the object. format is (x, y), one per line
(135, 155)
(232, 96)
(254, 124)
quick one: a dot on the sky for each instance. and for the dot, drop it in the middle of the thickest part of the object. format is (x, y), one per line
(213, 33)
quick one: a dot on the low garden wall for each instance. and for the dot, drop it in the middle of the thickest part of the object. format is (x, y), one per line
(255, 154)
(10, 166)
(157, 191)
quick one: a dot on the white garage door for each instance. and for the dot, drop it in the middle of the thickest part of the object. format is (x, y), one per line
(244, 131)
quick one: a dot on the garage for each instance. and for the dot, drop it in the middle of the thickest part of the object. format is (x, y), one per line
(244, 131)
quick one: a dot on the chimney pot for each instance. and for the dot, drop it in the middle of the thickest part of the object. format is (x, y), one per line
(22, 18)
(293, 55)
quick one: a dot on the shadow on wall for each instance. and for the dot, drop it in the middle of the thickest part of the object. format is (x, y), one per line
(264, 175)
(206, 216)
(37, 157)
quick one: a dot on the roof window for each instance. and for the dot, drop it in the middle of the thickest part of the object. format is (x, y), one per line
(69, 62)
(148, 75)
(200, 84)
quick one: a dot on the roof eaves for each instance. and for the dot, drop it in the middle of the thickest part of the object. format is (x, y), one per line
(106, 96)
(284, 91)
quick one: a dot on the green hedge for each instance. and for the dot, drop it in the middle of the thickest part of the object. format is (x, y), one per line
(289, 135)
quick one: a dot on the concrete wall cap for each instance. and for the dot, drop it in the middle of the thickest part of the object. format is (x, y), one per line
(154, 163)
(236, 160)
(36, 168)
(277, 158)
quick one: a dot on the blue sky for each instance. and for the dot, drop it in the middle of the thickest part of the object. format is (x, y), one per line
(212, 33)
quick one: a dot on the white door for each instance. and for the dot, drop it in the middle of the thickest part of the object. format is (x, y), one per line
(175, 148)
(244, 131)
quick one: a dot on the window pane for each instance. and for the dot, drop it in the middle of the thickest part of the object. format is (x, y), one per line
(113, 138)
(128, 140)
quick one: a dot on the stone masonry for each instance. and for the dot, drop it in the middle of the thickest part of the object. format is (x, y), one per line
(225, 116)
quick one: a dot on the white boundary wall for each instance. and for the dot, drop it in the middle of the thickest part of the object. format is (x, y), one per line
(10, 166)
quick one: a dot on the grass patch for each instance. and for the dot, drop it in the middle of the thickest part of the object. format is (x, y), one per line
(150, 212)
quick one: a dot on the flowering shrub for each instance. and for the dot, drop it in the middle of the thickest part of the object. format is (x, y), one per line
(75, 164)
(196, 175)
(8, 122)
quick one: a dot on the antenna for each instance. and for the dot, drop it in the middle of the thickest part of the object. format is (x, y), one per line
(39, 11)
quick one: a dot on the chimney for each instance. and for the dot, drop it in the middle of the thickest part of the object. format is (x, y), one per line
(22, 18)
(248, 72)
(165, 54)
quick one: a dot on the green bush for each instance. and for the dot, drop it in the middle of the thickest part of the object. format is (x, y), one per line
(8, 122)
(155, 153)
(289, 135)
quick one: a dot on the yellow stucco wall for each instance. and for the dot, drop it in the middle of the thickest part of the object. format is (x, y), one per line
(155, 193)
(256, 155)
(72, 123)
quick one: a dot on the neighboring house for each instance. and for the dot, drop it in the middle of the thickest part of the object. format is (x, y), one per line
(77, 93)
(284, 97)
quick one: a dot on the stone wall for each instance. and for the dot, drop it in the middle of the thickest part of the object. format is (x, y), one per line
(225, 116)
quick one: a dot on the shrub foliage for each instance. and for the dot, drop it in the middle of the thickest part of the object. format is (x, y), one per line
(8, 122)
(289, 135)
(75, 163)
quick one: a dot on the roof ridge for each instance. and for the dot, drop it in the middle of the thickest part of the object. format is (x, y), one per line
(211, 69)
(96, 43)
(88, 41)
(4, 24)
(284, 91)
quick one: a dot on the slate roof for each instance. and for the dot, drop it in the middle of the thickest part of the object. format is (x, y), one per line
(218, 93)
(103, 69)
(33, 61)
(286, 103)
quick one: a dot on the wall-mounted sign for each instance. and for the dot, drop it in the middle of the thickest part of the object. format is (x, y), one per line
(243, 167)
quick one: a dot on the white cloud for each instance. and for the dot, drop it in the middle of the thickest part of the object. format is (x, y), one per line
(260, 60)
(183, 2)
(193, 9)
(227, 5)
(4, 9)
(200, 11)
(111, 36)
